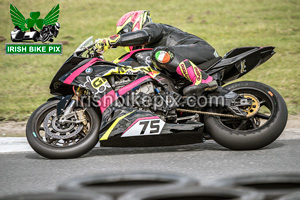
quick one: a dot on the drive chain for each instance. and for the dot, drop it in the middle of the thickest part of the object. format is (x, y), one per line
(207, 113)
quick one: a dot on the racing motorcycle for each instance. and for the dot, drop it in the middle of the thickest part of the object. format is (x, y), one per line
(130, 99)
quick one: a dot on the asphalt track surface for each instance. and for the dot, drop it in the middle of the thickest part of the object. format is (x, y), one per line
(28, 172)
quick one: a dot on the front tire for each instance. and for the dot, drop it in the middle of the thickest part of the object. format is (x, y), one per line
(254, 132)
(52, 148)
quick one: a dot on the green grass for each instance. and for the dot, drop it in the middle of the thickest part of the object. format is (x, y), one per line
(24, 80)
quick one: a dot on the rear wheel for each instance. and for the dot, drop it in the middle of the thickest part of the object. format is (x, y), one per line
(265, 121)
(52, 139)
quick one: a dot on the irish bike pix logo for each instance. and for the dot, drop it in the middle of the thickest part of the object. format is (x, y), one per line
(34, 29)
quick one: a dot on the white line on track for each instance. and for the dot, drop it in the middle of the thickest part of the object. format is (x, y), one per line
(16, 144)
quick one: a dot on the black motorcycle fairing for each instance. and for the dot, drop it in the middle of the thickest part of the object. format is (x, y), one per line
(208, 64)
(96, 81)
(97, 68)
(57, 87)
(113, 109)
(118, 123)
(133, 56)
(125, 119)
(239, 62)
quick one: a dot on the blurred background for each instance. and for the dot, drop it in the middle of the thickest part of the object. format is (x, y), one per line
(25, 79)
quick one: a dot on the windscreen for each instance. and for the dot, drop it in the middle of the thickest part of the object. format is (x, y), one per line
(86, 43)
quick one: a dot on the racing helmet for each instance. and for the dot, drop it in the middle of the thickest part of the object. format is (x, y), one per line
(132, 21)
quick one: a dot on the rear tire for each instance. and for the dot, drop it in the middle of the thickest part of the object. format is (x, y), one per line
(40, 145)
(250, 138)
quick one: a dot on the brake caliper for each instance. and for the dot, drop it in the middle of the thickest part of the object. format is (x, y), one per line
(81, 117)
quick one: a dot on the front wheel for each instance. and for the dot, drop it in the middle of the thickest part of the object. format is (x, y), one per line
(54, 140)
(266, 118)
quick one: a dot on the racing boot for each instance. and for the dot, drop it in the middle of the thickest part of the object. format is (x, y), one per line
(201, 81)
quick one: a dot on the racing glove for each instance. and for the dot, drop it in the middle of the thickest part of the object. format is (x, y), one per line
(106, 43)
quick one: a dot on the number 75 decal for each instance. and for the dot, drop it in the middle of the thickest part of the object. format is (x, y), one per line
(145, 127)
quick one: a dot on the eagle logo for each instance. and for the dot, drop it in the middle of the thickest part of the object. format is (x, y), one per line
(40, 29)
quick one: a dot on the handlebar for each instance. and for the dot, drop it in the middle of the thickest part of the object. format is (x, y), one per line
(80, 52)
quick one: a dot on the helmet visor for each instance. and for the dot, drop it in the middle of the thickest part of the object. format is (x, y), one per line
(126, 29)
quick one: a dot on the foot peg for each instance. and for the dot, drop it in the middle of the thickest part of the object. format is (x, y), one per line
(199, 89)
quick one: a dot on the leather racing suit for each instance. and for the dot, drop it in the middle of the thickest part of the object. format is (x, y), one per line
(175, 51)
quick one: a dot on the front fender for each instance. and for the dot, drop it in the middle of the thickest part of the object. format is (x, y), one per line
(55, 98)
(64, 100)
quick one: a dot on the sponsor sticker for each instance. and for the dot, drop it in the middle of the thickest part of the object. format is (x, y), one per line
(89, 70)
(145, 127)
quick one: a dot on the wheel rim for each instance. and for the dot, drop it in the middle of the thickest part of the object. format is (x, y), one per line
(50, 132)
(257, 116)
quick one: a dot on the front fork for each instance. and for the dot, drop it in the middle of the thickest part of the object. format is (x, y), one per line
(68, 112)
(65, 109)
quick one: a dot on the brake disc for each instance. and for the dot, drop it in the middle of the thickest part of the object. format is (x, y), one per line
(58, 131)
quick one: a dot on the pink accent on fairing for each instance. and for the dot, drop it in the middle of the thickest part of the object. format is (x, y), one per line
(106, 100)
(161, 79)
(143, 118)
(132, 52)
(78, 71)
(208, 80)
(135, 83)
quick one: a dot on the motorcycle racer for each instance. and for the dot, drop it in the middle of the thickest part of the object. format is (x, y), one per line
(173, 50)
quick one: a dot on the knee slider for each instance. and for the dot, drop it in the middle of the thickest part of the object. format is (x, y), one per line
(163, 55)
